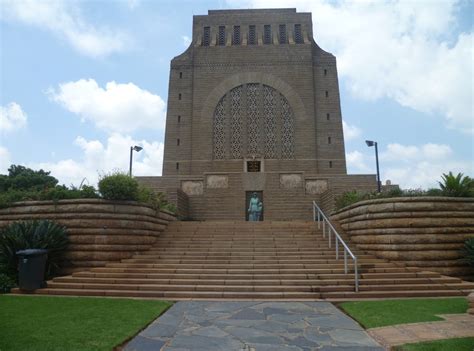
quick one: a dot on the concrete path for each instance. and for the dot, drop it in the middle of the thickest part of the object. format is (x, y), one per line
(454, 326)
(253, 326)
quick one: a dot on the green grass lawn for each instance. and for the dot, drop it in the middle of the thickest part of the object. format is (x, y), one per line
(372, 314)
(72, 323)
(461, 344)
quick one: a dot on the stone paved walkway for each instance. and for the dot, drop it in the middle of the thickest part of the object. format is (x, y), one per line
(253, 326)
(454, 326)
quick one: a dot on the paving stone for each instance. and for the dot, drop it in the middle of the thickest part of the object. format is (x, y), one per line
(352, 337)
(265, 347)
(249, 314)
(140, 343)
(339, 322)
(155, 330)
(288, 318)
(317, 337)
(269, 311)
(204, 343)
(247, 332)
(210, 331)
(302, 342)
(242, 326)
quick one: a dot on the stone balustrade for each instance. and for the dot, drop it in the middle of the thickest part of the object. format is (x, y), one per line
(100, 231)
(425, 232)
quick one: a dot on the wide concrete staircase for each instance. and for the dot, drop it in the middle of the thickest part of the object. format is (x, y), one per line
(242, 260)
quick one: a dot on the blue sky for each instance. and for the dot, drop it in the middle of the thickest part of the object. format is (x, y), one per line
(81, 81)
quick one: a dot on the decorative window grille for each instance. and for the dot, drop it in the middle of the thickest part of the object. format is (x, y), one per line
(298, 34)
(252, 35)
(253, 120)
(258, 114)
(269, 118)
(267, 34)
(219, 130)
(236, 36)
(221, 37)
(282, 31)
(206, 38)
(236, 122)
(287, 129)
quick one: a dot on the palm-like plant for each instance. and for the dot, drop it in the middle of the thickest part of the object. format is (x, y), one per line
(457, 186)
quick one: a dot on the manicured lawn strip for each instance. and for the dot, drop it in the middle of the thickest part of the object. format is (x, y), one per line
(459, 344)
(372, 314)
(72, 323)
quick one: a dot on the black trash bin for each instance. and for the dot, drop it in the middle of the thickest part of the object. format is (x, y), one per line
(31, 268)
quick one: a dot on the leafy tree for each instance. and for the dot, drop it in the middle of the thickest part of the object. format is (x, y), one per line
(456, 185)
(23, 178)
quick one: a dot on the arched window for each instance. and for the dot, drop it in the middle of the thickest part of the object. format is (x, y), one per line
(253, 120)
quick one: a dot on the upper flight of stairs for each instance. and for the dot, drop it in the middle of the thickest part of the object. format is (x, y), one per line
(245, 260)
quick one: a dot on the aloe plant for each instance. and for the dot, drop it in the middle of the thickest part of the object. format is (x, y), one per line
(456, 185)
(36, 234)
(467, 252)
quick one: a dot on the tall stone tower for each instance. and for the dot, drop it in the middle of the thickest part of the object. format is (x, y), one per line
(254, 107)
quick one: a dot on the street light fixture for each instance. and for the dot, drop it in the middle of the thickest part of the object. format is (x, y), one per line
(374, 143)
(133, 148)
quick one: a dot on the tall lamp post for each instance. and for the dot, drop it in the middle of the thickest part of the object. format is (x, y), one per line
(374, 143)
(133, 148)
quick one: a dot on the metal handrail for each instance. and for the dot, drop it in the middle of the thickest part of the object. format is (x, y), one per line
(318, 213)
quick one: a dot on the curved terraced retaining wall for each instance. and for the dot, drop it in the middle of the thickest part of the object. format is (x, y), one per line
(425, 232)
(100, 231)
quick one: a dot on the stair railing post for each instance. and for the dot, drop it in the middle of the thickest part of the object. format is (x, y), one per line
(324, 229)
(319, 220)
(356, 276)
(345, 261)
(329, 236)
(337, 246)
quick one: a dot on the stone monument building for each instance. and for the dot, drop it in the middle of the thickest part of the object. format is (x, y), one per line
(254, 107)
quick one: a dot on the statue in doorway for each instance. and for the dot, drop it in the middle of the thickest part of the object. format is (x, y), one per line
(255, 208)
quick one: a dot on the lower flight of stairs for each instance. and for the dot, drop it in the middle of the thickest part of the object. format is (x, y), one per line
(245, 260)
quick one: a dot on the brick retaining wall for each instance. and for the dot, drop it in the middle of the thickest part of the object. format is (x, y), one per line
(100, 231)
(425, 232)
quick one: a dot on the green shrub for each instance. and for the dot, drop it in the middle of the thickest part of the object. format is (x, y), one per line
(456, 185)
(148, 196)
(348, 198)
(467, 252)
(6, 283)
(434, 192)
(36, 234)
(89, 192)
(169, 207)
(118, 186)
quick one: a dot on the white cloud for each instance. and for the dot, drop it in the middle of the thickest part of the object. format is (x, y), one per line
(186, 40)
(4, 160)
(357, 162)
(98, 158)
(429, 152)
(420, 166)
(118, 108)
(402, 50)
(12, 117)
(132, 4)
(410, 166)
(350, 132)
(64, 19)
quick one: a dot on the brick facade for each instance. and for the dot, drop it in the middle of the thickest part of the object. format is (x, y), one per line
(278, 99)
